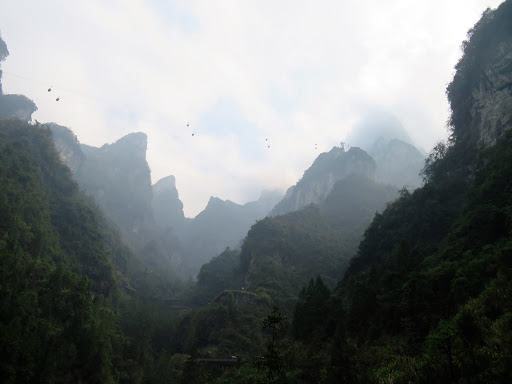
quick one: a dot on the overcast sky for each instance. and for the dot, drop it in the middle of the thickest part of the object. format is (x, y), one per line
(297, 73)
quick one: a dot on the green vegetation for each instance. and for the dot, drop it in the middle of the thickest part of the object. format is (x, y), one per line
(219, 274)
(427, 296)
(280, 254)
(430, 305)
(278, 257)
(56, 278)
(76, 305)
(312, 318)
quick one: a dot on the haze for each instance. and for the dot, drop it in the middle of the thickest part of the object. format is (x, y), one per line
(243, 75)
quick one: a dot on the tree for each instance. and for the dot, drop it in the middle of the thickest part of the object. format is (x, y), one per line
(309, 318)
(273, 360)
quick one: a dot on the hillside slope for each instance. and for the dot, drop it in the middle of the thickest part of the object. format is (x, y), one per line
(55, 269)
(426, 298)
(319, 179)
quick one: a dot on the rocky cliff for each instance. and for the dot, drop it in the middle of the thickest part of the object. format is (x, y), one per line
(492, 106)
(14, 106)
(4, 52)
(150, 217)
(319, 179)
(480, 94)
(222, 224)
(167, 206)
(67, 146)
(118, 176)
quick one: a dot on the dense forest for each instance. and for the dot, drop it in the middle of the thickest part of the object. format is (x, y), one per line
(424, 297)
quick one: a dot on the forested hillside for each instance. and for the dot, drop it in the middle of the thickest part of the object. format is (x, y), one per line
(319, 179)
(57, 278)
(149, 217)
(426, 298)
(77, 305)
(222, 224)
(278, 257)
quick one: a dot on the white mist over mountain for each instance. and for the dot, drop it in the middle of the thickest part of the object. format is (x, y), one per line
(244, 75)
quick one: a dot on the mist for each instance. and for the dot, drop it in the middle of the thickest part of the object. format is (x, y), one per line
(297, 81)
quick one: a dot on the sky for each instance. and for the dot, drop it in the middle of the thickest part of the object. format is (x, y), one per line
(244, 75)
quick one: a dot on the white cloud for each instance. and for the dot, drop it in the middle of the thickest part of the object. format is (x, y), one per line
(297, 71)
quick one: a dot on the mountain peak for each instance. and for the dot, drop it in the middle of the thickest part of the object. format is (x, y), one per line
(167, 206)
(167, 183)
(216, 202)
(319, 179)
(135, 143)
(398, 162)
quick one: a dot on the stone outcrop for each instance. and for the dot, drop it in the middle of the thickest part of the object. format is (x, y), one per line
(14, 106)
(166, 204)
(118, 176)
(222, 224)
(480, 94)
(492, 107)
(67, 145)
(319, 179)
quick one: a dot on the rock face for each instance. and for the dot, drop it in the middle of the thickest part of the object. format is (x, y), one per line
(222, 224)
(282, 253)
(14, 106)
(4, 52)
(150, 217)
(319, 179)
(493, 98)
(166, 204)
(398, 163)
(118, 176)
(67, 145)
(480, 94)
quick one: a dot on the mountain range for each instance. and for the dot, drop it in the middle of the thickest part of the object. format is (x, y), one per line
(151, 219)
(349, 277)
